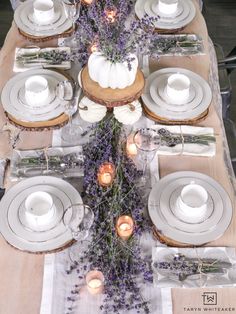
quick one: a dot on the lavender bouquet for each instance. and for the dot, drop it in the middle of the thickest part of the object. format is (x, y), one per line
(109, 27)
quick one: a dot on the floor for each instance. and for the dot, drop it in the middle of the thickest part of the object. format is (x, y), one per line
(220, 16)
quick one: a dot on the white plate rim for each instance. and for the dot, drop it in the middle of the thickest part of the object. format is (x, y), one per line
(50, 32)
(36, 247)
(5, 94)
(183, 237)
(192, 227)
(153, 107)
(139, 10)
(158, 99)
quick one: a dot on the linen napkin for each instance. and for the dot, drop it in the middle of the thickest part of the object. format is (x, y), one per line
(191, 149)
(220, 254)
(19, 66)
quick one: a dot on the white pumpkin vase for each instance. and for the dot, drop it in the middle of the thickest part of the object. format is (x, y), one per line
(128, 114)
(110, 74)
(90, 111)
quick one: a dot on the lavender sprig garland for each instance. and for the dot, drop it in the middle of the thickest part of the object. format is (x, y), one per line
(120, 261)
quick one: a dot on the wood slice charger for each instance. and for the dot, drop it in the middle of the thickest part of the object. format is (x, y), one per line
(169, 242)
(112, 97)
(39, 39)
(58, 122)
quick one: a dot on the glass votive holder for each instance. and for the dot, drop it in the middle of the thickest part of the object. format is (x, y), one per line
(111, 14)
(125, 227)
(106, 174)
(95, 281)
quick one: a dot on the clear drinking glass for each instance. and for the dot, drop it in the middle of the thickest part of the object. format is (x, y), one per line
(147, 141)
(66, 91)
(78, 218)
(72, 9)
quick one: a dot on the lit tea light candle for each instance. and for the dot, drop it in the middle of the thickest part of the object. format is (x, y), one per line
(95, 282)
(87, 2)
(125, 227)
(36, 90)
(111, 15)
(106, 174)
(93, 48)
(43, 10)
(168, 7)
(178, 88)
(131, 149)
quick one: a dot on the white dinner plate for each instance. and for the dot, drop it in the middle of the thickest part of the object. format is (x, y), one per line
(182, 12)
(170, 211)
(165, 111)
(12, 224)
(159, 205)
(164, 23)
(24, 19)
(14, 103)
(160, 97)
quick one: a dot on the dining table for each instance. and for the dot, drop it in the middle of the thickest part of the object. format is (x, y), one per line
(21, 273)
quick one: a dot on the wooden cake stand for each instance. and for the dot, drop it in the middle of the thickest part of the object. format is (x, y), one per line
(112, 97)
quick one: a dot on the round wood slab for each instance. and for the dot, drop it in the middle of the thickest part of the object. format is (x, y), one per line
(162, 120)
(41, 125)
(112, 97)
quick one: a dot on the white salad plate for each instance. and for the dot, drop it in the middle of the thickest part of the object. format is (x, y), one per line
(158, 101)
(14, 103)
(18, 231)
(24, 18)
(162, 209)
(178, 20)
(159, 95)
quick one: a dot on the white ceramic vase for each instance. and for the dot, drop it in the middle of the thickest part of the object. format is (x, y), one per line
(109, 74)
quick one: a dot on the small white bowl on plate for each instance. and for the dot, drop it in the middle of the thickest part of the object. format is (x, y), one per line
(177, 88)
(39, 208)
(43, 11)
(36, 90)
(192, 203)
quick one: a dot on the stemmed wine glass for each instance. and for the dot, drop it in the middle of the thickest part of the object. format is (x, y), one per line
(147, 141)
(72, 9)
(66, 91)
(78, 218)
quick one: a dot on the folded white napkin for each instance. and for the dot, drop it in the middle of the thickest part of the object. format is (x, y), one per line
(191, 149)
(20, 67)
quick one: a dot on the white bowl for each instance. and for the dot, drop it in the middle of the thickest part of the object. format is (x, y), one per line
(192, 203)
(167, 7)
(39, 208)
(177, 88)
(36, 90)
(43, 10)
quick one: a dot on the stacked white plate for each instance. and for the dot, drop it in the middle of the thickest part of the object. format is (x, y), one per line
(24, 19)
(157, 101)
(18, 231)
(185, 13)
(162, 209)
(14, 102)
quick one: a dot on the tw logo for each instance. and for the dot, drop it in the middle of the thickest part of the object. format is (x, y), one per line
(209, 298)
